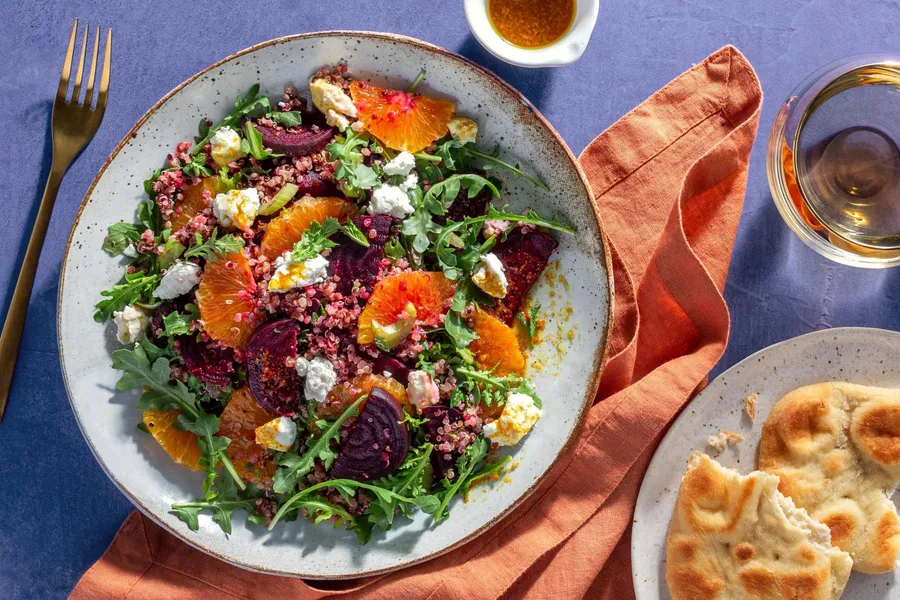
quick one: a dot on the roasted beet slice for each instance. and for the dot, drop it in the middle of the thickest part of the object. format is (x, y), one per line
(208, 363)
(302, 140)
(385, 363)
(464, 207)
(435, 432)
(351, 261)
(311, 184)
(377, 443)
(524, 256)
(275, 385)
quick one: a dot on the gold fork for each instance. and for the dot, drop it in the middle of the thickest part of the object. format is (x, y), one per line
(74, 125)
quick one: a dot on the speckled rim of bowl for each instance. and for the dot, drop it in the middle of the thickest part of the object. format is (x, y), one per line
(600, 356)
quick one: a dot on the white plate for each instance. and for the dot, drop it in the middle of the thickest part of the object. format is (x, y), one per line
(853, 354)
(107, 419)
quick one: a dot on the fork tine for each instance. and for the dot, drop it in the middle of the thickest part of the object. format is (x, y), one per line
(67, 65)
(89, 91)
(104, 76)
(76, 92)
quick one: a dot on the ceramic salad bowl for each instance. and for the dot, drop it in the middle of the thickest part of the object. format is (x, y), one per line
(565, 367)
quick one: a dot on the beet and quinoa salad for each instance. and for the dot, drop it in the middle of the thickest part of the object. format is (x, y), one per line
(324, 305)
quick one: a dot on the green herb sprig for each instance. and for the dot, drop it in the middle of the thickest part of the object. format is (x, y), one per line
(294, 466)
(492, 390)
(250, 105)
(447, 255)
(214, 246)
(315, 239)
(135, 287)
(147, 367)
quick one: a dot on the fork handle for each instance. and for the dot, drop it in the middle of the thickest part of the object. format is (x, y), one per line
(18, 308)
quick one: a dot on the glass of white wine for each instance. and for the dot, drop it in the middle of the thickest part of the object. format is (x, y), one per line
(834, 164)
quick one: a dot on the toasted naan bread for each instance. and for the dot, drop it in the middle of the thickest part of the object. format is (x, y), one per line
(836, 449)
(736, 537)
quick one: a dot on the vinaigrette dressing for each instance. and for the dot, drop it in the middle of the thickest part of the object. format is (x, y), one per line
(531, 24)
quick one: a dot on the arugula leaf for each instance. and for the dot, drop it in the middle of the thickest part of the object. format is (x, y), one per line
(530, 322)
(119, 236)
(417, 227)
(352, 231)
(447, 255)
(253, 143)
(227, 181)
(176, 323)
(441, 195)
(149, 216)
(465, 464)
(214, 246)
(394, 249)
(458, 156)
(296, 466)
(454, 324)
(250, 105)
(135, 286)
(354, 177)
(315, 239)
(407, 481)
(485, 472)
(213, 447)
(289, 118)
(222, 511)
(197, 167)
(347, 487)
(364, 177)
(162, 393)
(490, 389)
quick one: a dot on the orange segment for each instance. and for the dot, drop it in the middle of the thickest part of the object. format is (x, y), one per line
(287, 228)
(403, 121)
(192, 202)
(342, 396)
(496, 346)
(180, 445)
(429, 292)
(226, 298)
(239, 420)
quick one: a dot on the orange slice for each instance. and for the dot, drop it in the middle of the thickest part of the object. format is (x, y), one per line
(341, 397)
(403, 121)
(180, 445)
(226, 297)
(428, 292)
(496, 346)
(239, 420)
(287, 228)
(192, 202)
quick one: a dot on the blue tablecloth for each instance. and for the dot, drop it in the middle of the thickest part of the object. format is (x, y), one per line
(58, 512)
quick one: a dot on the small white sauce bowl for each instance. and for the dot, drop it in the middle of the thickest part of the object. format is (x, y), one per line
(564, 51)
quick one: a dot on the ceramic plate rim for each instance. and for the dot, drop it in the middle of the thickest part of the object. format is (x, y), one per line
(598, 362)
(684, 414)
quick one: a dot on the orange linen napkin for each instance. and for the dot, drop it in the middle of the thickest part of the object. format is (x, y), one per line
(668, 181)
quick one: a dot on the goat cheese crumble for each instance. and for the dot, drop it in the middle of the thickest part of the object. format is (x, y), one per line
(518, 417)
(290, 274)
(179, 279)
(320, 377)
(490, 276)
(333, 103)
(463, 130)
(130, 324)
(225, 146)
(278, 434)
(390, 200)
(237, 208)
(421, 390)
